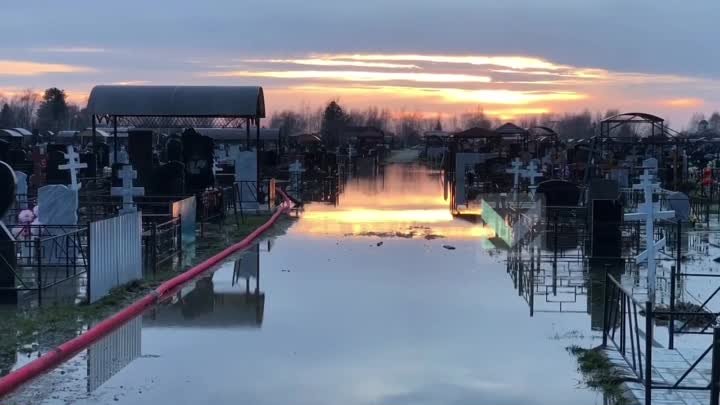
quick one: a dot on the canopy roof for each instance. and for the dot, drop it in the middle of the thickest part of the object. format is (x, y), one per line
(23, 131)
(239, 134)
(476, 132)
(10, 133)
(178, 101)
(634, 116)
(509, 128)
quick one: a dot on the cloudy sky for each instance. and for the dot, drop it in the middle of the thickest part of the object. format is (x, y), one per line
(511, 57)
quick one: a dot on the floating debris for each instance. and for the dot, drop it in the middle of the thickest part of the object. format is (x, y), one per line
(448, 247)
(380, 243)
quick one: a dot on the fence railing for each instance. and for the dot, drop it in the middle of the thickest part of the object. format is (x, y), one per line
(162, 241)
(47, 255)
(622, 329)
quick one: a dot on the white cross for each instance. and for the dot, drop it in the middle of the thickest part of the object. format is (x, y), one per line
(127, 191)
(296, 167)
(532, 173)
(649, 212)
(73, 165)
(516, 171)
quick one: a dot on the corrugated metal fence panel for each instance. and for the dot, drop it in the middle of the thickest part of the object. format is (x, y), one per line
(186, 208)
(111, 354)
(115, 253)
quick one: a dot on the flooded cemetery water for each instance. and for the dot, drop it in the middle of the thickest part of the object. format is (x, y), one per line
(382, 298)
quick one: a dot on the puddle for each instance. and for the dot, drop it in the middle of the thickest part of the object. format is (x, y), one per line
(324, 314)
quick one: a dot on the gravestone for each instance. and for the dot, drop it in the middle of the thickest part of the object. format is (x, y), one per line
(21, 189)
(174, 149)
(296, 170)
(680, 203)
(559, 193)
(246, 178)
(127, 191)
(169, 179)
(4, 150)
(199, 159)
(606, 236)
(57, 205)
(89, 159)
(54, 175)
(7, 242)
(601, 189)
(103, 155)
(39, 161)
(140, 148)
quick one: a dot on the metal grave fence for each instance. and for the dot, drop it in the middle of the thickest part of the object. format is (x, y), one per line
(115, 253)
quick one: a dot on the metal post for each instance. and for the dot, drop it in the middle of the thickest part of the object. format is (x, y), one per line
(257, 159)
(153, 248)
(715, 371)
(555, 237)
(247, 134)
(671, 326)
(648, 351)
(179, 240)
(115, 139)
(94, 140)
(606, 297)
(38, 254)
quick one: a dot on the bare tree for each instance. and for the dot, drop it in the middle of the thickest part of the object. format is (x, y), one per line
(25, 105)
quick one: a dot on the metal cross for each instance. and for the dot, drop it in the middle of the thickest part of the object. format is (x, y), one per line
(127, 191)
(73, 165)
(648, 212)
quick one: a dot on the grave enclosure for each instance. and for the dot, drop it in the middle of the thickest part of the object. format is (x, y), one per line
(72, 223)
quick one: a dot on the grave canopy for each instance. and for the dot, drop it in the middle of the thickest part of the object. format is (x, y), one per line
(178, 101)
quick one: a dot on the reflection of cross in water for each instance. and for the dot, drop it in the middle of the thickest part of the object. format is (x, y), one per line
(647, 211)
(127, 191)
(532, 173)
(516, 171)
(73, 165)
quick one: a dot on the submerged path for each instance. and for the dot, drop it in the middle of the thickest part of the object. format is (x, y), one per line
(382, 299)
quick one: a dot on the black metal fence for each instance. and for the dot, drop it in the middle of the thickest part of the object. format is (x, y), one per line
(46, 256)
(161, 240)
(633, 338)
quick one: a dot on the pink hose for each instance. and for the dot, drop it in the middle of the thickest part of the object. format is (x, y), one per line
(57, 356)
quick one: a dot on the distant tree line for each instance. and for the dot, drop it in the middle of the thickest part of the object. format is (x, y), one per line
(49, 111)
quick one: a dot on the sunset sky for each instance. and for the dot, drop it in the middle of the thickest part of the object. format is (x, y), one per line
(511, 57)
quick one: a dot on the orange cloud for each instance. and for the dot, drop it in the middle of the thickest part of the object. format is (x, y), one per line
(334, 63)
(513, 62)
(683, 102)
(26, 68)
(358, 76)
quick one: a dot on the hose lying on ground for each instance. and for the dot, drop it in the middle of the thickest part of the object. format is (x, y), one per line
(57, 356)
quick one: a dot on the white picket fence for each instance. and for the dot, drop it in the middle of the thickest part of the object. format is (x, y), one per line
(115, 253)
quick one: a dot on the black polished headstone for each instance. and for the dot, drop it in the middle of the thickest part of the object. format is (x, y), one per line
(103, 155)
(601, 189)
(4, 149)
(168, 179)
(198, 151)
(680, 203)
(54, 175)
(606, 236)
(140, 149)
(7, 243)
(559, 193)
(174, 149)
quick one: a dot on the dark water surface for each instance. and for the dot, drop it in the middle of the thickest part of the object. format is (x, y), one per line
(341, 318)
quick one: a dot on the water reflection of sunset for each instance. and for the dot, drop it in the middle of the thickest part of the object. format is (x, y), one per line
(408, 202)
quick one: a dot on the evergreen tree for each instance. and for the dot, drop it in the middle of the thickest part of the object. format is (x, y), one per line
(53, 111)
